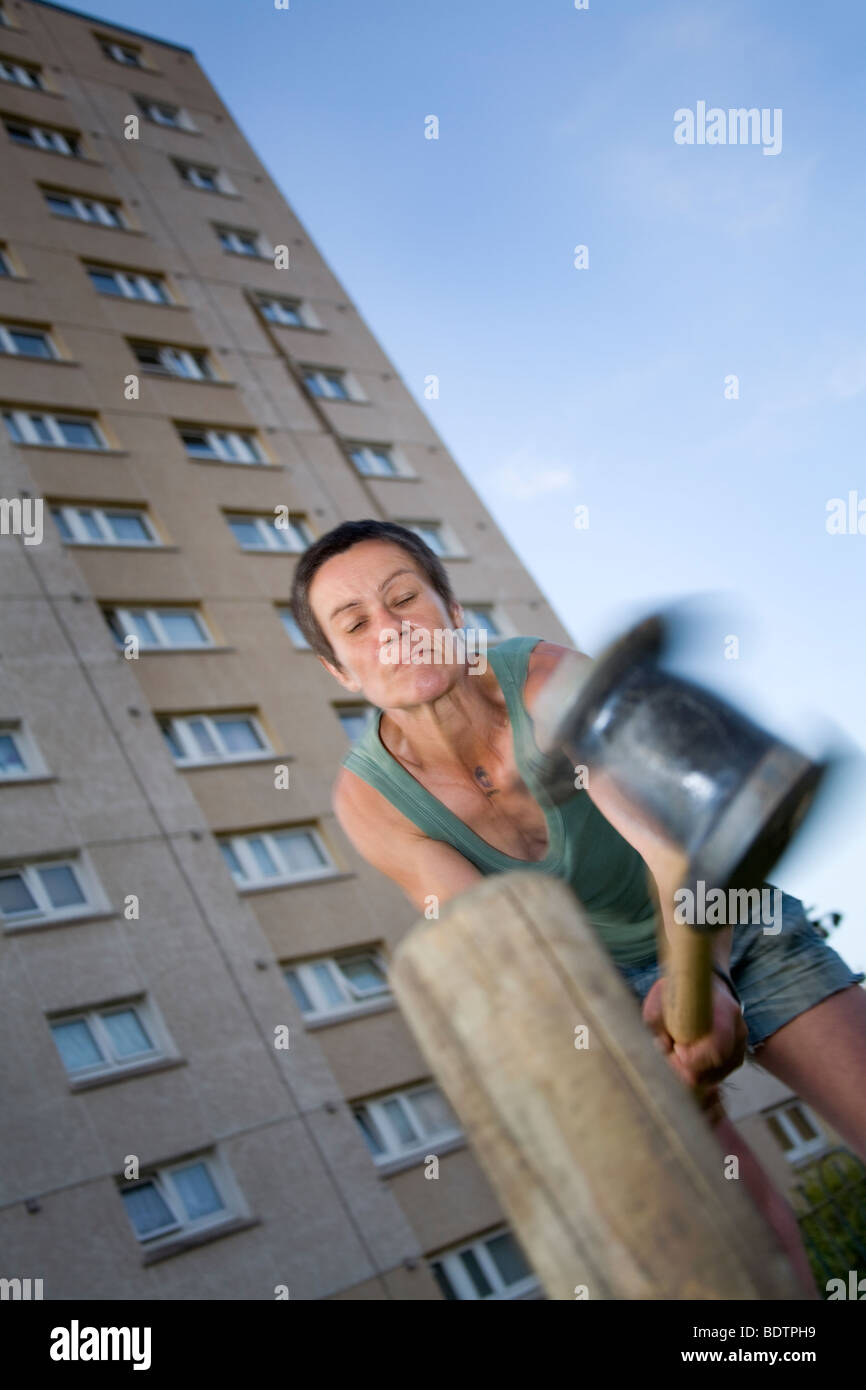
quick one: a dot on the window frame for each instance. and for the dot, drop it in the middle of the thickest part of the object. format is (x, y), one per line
(263, 300)
(28, 751)
(147, 1019)
(800, 1148)
(352, 387)
(161, 1176)
(459, 1279)
(246, 859)
(106, 45)
(454, 548)
(116, 220)
(297, 638)
(212, 719)
(211, 432)
(80, 536)
(29, 869)
(200, 366)
(374, 1111)
(44, 138)
(30, 71)
(147, 105)
(122, 274)
(353, 1001)
(267, 527)
(123, 614)
(224, 232)
(7, 343)
(52, 420)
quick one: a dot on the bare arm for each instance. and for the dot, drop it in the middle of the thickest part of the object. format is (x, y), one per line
(391, 843)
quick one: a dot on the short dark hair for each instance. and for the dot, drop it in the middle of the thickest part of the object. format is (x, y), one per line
(341, 538)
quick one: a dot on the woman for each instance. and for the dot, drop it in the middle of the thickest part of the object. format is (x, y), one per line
(444, 787)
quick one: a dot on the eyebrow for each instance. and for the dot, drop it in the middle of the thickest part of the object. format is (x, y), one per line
(353, 603)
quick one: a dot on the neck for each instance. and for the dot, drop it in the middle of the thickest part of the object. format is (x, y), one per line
(459, 730)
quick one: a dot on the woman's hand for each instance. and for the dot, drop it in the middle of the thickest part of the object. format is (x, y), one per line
(702, 1064)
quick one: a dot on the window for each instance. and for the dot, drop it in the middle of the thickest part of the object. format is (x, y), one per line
(354, 719)
(129, 284)
(84, 209)
(163, 113)
(332, 986)
(39, 137)
(277, 856)
(481, 616)
(374, 460)
(55, 430)
(163, 360)
(406, 1123)
(19, 757)
(179, 1198)
(24, 74)
(197, 739)
(238, 241)
(290, 624)
(80, 525)
(99, 1042)
(796, 1130)
(330, 384)
(122, 53)
(440, 539)
(227, 446)
(203, 177)
(492, 1268)
(4, 19)
(5, 263)
(160, 627)
(289, 313)
(48, 891)
(21, 340)
(267, 532)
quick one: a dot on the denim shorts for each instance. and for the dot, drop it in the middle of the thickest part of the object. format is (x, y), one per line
(777, 976)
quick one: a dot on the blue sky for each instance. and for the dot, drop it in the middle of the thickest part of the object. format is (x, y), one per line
(605, 386)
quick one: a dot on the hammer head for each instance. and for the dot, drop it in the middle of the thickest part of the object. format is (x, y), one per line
(726, 791)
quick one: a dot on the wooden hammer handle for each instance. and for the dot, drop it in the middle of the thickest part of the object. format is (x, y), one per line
(687, 956)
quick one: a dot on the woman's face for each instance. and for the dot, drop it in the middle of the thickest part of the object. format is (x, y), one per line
(361, 599)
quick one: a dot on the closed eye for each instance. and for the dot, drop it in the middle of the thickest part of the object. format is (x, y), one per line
(362, 621)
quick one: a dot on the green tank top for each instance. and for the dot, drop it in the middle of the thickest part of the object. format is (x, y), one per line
(605, 872)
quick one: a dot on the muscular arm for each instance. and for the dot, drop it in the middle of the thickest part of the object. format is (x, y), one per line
(391, 843)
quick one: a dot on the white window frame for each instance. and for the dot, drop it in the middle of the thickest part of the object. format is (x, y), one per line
(373, 470)
(52, 420)
(449, 538)
(81, 536)
(95, 900)
(22, 74)
(290, 625)
(278, 304)
(150, 106)
(326, 391)
(161, 1177)
(28, 752)
(222, 454)
(196, 176)
(267, 527)
(254, 878)
(47, 138)
(7, 342)
(108, 214)
(355, 1001)
(194, 757)
(233, 235)
(124, 618)
(187, 364)
(800, 1147)
(128, 280)
(113, 1064)
(117, 51)
(461, 1282)
(374, 1110)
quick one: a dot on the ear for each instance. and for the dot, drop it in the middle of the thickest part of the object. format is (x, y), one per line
(457, 614)
(346, 681)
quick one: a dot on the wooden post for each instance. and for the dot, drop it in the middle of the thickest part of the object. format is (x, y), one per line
(608, 1173)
